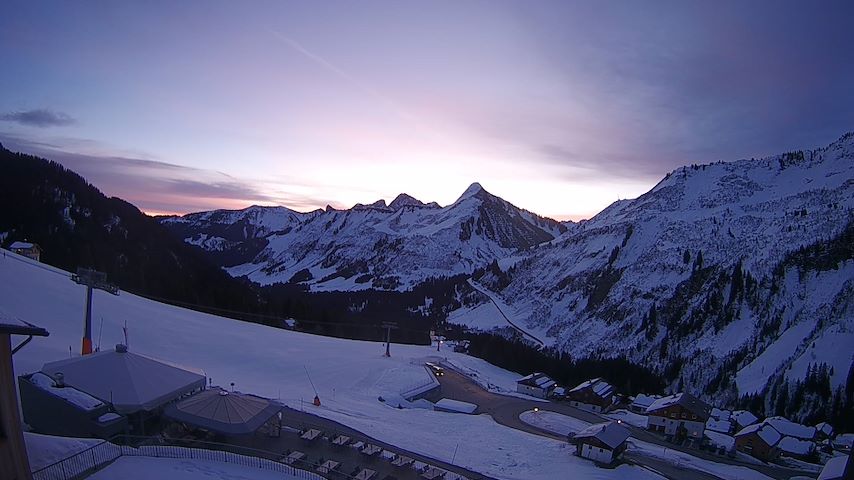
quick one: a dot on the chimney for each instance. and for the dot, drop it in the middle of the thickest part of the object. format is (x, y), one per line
(59, 379)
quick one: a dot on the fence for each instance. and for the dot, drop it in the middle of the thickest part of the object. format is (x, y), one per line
(86, 462)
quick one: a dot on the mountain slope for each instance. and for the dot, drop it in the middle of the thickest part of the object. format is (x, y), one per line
(700, 277)
(77, 225)
(376, 246)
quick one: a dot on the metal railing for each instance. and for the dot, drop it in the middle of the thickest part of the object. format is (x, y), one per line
(86, 462)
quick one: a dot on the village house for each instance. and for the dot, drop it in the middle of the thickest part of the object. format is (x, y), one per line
(788, 428)
(758, 440)
(595, 395)
(823, 431)
(743, 418)
(838, 468)
(30, 250)
(796, 448)
(602, 442)
(641, 402)
(681, 415)
(14, 463)
(536, 384)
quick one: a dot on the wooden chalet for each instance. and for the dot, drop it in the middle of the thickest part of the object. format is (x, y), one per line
(602, 442)
(595, 395)
(681, 415)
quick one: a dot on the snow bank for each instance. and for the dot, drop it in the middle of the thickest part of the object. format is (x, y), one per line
(44, 450)
(553, 422)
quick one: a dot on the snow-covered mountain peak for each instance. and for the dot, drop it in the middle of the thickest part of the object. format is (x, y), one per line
(404, 200)
(473, 190)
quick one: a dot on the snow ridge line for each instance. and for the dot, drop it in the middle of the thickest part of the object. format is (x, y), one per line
(497, 306)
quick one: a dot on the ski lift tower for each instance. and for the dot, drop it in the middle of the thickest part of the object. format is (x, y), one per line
(93, 279)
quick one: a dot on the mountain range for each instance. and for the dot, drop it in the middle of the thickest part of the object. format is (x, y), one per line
(729, 278)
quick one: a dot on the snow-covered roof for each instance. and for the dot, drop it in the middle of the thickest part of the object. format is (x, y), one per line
(609, 433)
(644, 401)
(795, 446)
(790, 428)
(844, 439)
(131, 382)
(24, 245)
(743, 418)
(825, 428)
(560, 391)
(766, 432)
(834, 469)
(456, 405)
(722, 426)
(720, 414)
(537, 379)
(79, 399)
(15, 326)
(600, 387)
(685, 400)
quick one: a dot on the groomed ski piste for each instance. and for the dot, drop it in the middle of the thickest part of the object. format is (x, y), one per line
(349, 375)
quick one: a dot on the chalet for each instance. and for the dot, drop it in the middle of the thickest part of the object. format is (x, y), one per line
(14, 463)
(838, 468)
(823, 431)
(595, 395)
(788, 428)
(682, 415)
(758, 440)
(30, 250)
(602, 442)
(641, 402)
(743, 418)
(536, 384)
(796, 448)
(720, 426)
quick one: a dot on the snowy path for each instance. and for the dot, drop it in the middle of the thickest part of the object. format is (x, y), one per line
(501, 306)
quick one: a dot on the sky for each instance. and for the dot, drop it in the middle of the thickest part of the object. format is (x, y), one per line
(559, 107)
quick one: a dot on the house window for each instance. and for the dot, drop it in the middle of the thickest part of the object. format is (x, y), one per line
(672, 415)
(693, 417)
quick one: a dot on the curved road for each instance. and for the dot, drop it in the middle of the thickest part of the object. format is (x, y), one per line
(491, 297)
(506, 409)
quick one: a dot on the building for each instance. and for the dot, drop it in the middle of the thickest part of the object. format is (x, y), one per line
(796, 448)
(127, 384)
(720, 426)
(30, 250)
(14, 463)
(642, 402)
(595, 395)
(227, 413)
(823, 431)
(838, 468)
(681, 415)
(536, 384)
(758, 440)
(743, 418)
(789, 428)
(602, 442)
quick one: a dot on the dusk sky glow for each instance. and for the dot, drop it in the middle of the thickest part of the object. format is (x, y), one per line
(559, 107)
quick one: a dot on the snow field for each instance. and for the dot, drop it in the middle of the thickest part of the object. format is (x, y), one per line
(349, 375)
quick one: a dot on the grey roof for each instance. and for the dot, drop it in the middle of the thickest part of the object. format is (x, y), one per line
(609, 433)
(230, 413)
(129, 381)
(599, 387)
(15, 326)
(537, 379)
(21, 245)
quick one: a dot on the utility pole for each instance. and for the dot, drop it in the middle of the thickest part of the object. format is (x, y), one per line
(388, 326)
(93, 280)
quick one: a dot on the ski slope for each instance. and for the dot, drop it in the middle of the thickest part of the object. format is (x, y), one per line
(349, 375)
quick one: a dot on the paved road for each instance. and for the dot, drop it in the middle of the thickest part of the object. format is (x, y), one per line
(506, 409)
